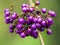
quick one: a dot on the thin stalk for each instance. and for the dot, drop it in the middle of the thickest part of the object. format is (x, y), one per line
(41, 39)
(31, 3)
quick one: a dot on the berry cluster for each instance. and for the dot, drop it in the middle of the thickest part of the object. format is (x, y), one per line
(31, 21)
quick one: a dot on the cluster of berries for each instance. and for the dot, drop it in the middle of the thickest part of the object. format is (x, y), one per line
(31, 21)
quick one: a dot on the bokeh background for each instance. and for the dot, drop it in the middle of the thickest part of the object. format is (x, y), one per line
(7, 38)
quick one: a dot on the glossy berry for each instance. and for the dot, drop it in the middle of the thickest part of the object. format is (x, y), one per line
(35, 20)
(22, 35)
(12, 26)
(50, 21)
(14, 16)
(43, 10)
(39, 20)
(35, 33)
(30, 18)
(49, 31)
(52, 13)
(33, 26)
(17, 31)
(24, 9)
(31, 9)
(41, 29)
(43, 23)
(19, 26)
(21, 20)
(6, 10)
(38, 25)
(7, 14)
(11, 31)
(7, 20)
(24, 5)
(37, 2)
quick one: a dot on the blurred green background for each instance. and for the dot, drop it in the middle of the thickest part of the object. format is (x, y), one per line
(7, 38)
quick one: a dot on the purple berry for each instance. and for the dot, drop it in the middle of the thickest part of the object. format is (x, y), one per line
(22, 35)
(21, 20)
(24, 5)
(35, 20)
(43, 10)
(19, 26)
(49, 31)
(7, 20)
(37, 2)
(39, 20)
(43, 23)
(52, 13)
(25, 9)
(14, 15)
(30, 18)
(33, 26)
(17, 31)
(7, 14)
(11, 31)
(35, 33)
(31, 9)
(12, 26)
(38, 25)
(41, 29)
(6, 10)
(50, 21)
(11, 20)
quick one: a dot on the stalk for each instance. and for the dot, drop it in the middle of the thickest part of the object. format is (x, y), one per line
(41, 38)
(31, 3)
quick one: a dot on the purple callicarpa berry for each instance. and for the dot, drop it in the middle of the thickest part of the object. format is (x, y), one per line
(25, 9)
(11, 31)
(17, 31)
(19, 26)
(7, 20)
(39, 20)
(21, 20)
(37, 2)
(7, 14)
(12, 26)
(33, 26)
(29, 31)
(24, 5)
(35, 33)
(6, 10)
(30, 18)
(43, 10)
(52, 13)
(31, 9)
(11, 20)
(41, 29)
(43, 23)
(50, 21)
(35, 20)
(23, 35)
(38, 25)
(14, 15)
(49, 31)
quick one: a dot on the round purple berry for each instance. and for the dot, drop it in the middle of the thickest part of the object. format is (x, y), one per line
(23, 35)
(49, 31)
(37, 2)
(33, 26)
(43, 10)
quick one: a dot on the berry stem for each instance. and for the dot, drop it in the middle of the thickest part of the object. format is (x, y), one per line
(41, 39)
(31, 3)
